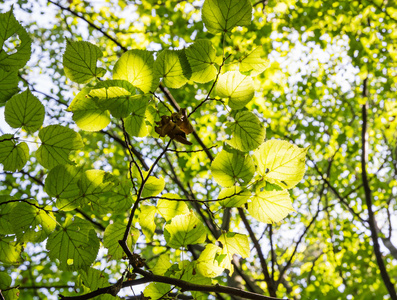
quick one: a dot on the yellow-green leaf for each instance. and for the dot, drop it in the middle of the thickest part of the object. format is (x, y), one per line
(236, 87)
(208, 263)
(281, 162)
(136, 66)
(270, 206)
(232, 168)
(184, 230)
(235, 196)
(233, 243)
(169, 209)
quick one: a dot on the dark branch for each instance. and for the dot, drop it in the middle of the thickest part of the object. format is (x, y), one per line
(268, 279)
(89, 23)
(368, 198)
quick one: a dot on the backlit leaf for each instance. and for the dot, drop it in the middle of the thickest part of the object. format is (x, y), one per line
(80, 61)
(153, 186)
(232, 168)
(207, 264)
(115, 232)
(169, 209)
(248, 133)
(56, 144)
(87, 114)
(146, 221)
(75, 244)
(61, 183)
(184, 230)
(233, 243)
(9, 28)
(13, 156)
(103, 195)
(30, 223)
(24, 110)
(136, 66)
(235, 196)
(162, 265)
(270, 206)
(236, 87)
(94, 279)
(115, 96)
(202, 58)
(135, 123)
(10, 251)
(281, 162)
(224, 15)
(5, 215)
(169, 66)
(157, 290)
(254, 63)
(8, 84)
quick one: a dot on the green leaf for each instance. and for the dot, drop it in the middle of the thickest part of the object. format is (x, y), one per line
(169, 66)
(135, 123)
(270, 206)
(101, 195)
(80, 61)
(232, 168)
(5, 215)
(87, 114)
(247, 130)
(184, 230)
(233, 243)
(156, 290)
(238, 88)
(224, 15)
(207, 264)
(115, 232)
(75, 244)
(13, 156)
(12, 294)
(169, 209)
(281, 162)
(162, 265)
(32, 224)
(61, 182)
(24, 110)
(56, 143)
(115, 96)
(10, 251)
(136, 66)
(189, 273)
(94, 279)
(9, 30)
(5, 281)
(153, 186)
(202, 59)
(254, 63)
(8, 84)
(147, 222)
(235, 196)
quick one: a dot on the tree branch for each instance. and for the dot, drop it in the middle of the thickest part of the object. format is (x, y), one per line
(368, 198)
(89, 23)
(268, 279)
(123, 242)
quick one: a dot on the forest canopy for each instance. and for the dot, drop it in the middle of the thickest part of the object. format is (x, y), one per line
(217, 149)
